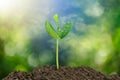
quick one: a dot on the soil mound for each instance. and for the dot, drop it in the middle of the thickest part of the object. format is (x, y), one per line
(64, 73)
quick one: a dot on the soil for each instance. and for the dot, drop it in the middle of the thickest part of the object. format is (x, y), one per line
(64, 73)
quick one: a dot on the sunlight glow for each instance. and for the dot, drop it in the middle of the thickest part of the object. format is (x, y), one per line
(5, 5)
(12, 6)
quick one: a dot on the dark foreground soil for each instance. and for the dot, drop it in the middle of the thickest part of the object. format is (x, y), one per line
(64, 73)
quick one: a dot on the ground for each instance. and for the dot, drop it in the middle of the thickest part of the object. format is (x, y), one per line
(64, 73)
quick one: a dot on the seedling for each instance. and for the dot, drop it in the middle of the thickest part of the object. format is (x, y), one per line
(58, 33)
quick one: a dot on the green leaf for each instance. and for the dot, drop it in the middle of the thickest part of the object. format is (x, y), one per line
(51, 31)
(65, 30)
(56, 18)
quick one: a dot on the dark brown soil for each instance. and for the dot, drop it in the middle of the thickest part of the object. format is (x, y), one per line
(64, 73)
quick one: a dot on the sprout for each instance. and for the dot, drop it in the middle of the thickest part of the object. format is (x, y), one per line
(58, 34)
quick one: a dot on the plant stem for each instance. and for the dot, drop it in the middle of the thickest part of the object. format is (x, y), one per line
(57, 59)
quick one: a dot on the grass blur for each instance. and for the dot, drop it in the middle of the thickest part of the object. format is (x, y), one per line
(94, 40)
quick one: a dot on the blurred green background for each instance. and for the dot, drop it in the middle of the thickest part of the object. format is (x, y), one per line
(94, 40)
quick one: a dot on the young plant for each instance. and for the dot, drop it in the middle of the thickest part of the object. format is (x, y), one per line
(58, 34)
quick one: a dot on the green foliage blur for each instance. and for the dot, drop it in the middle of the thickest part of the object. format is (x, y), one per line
(25, 45)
